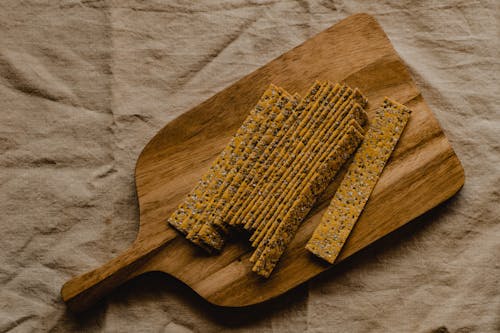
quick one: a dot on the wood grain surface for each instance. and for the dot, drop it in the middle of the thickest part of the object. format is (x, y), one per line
(422, 172)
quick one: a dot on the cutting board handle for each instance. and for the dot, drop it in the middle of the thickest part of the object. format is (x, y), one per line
(82, 291)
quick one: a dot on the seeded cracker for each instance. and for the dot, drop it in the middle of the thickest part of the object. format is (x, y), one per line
(324, 143)
(294, 193)
(231, 166)
(266, 235)
(186, 207)
(213, 238)
(320, 180)
(251, 179)
(212, 231)
(338, 102)
(328, 139)
(227, 161)
(265, 160)
(359, 181)
(263, 173)
(281, 122)
(313, 127)
(259, 222)
(287, 154)
(272, 214)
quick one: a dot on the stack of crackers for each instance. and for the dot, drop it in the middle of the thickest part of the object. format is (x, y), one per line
(280, 160)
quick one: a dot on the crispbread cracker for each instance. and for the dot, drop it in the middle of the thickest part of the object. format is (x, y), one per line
(176, 219)
(229, 162)
(211, 230)
(314, 126)
(254, 175)
(230, 167)
(324, 143)
(268, 233)
(266, 159)
(355, 117)
(285, 156)
(288, 154)
(359, 181)
(268, 166)
(272, 250)
(344, 110)
(271, 135)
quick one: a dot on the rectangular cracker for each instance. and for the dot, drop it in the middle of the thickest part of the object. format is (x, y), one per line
(254, 175)
(275, 126)
(267, 157)
(254, 218)
(185, 208)
(285, 156)
(325, 135)
(324, 143)
(272, 250)
(289, 152)
(267, 214)
(355, 117)
(231, 165)
(268, 233)
(227, 161)
(266, 171)
(213, 229)
(359, 181)
(338, 102)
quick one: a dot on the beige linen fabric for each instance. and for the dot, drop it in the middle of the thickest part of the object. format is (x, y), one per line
(85, 84)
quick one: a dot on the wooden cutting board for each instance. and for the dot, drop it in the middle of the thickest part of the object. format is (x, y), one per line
(422, 172)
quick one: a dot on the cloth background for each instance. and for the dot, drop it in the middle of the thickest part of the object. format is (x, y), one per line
(84, 85)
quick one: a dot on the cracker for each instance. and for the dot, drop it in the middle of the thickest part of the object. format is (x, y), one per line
(280, 216)
(270, 134)
(186, 207)
(209, 231)
(253, 176)
(315, 125)
(289, 152)
(263, 170)
(228, 162)
(285, 155)
(360, 98)
(271, 251)
(325, 143)
(272, 213)
(230, 167)
(263, 219)
(359, 181)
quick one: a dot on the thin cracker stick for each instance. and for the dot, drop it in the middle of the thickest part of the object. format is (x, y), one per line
(266, 235)
(243, 149)
(313, 128)
(287, 155)
(355, 117)
(270, 134)
(255, 174)
(343, 108)
(287, 229)
(212, 231)
(359, 181)
(253, 196)
(176, 219)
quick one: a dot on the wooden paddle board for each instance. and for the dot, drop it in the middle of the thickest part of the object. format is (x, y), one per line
(422, 172)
